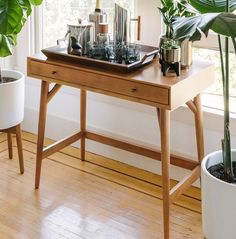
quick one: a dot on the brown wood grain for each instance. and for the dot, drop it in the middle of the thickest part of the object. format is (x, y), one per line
(86, 199)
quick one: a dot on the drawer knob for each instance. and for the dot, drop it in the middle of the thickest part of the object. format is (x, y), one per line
(134, 90)
(54, 72)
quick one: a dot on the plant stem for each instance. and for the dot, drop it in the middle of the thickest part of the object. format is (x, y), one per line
(0, 70)
(227, 144)
(221, 60)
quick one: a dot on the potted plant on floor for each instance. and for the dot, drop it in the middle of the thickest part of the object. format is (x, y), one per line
(169, 11)
(13, 15)
(218, 168)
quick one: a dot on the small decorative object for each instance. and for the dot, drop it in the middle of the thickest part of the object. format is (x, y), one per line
(121, 26)
(103, 36)
(76, 48)
(132, 53)
(78, 33)
(170, 57)
(116, 53)
(97, 17)
(169, 11)
(98, 51)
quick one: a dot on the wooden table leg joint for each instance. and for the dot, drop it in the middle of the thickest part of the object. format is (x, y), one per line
(195, 106)
(191, 105)
(61, 144)
(184, 184)
(53, 92)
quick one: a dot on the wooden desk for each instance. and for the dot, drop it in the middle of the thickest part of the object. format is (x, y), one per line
(146, 86)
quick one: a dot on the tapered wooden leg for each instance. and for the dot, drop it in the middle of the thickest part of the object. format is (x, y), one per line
(83, 96)
(9, 142)
(165, 161)
(199, 128)
(20, 148)
(41, 130)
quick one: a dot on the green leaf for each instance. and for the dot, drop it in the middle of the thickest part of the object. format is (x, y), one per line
(212, 6)
(26, 8)
(36, 2)
(225, 24)
(234, 43)
(11, 14)
(189, 28)
(6, 44)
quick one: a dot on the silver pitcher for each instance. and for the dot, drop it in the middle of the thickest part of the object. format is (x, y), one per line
(83, 32)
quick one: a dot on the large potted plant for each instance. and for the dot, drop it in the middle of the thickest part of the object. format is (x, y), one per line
(218, 168)
(13, 15)
(169, 11)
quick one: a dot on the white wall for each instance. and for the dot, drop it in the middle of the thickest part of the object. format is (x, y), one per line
(117, 117)
(151, 21)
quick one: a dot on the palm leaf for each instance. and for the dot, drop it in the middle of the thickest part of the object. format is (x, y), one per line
(189, 28)
(212, 6)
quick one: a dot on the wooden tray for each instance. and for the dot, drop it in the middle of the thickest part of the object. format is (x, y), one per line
(148, 53)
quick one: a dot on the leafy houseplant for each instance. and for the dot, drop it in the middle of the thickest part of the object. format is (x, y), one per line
(170, 44)
(169, 11)
(170, 51)
(13, 15)
(215, 15)
(218, 197)
(170, 54)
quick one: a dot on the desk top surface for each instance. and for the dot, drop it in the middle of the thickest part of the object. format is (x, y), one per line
(149, 74)
(148, 78)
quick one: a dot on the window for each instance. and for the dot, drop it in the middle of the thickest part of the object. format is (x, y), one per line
(56, 15)
(213, 97)
(208, 50)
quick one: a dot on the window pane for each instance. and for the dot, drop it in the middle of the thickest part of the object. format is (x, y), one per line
(213, 96)
(57, 13)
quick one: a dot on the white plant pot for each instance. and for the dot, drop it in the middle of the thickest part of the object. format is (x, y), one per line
(218, 202)
(12, 100)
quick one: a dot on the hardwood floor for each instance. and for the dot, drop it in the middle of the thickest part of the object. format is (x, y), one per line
(95, 199)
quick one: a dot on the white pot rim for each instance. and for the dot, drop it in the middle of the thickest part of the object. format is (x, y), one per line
(20, 76)
(205, 171)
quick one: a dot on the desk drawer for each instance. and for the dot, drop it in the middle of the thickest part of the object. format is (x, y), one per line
(99, 82)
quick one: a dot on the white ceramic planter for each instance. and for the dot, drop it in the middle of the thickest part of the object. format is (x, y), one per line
(218, 202)
(12, 100)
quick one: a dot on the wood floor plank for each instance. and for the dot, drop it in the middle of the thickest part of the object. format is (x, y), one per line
(120, 178)
(83, 200)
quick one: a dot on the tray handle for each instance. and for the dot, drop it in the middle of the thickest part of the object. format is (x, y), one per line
(149, 57)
